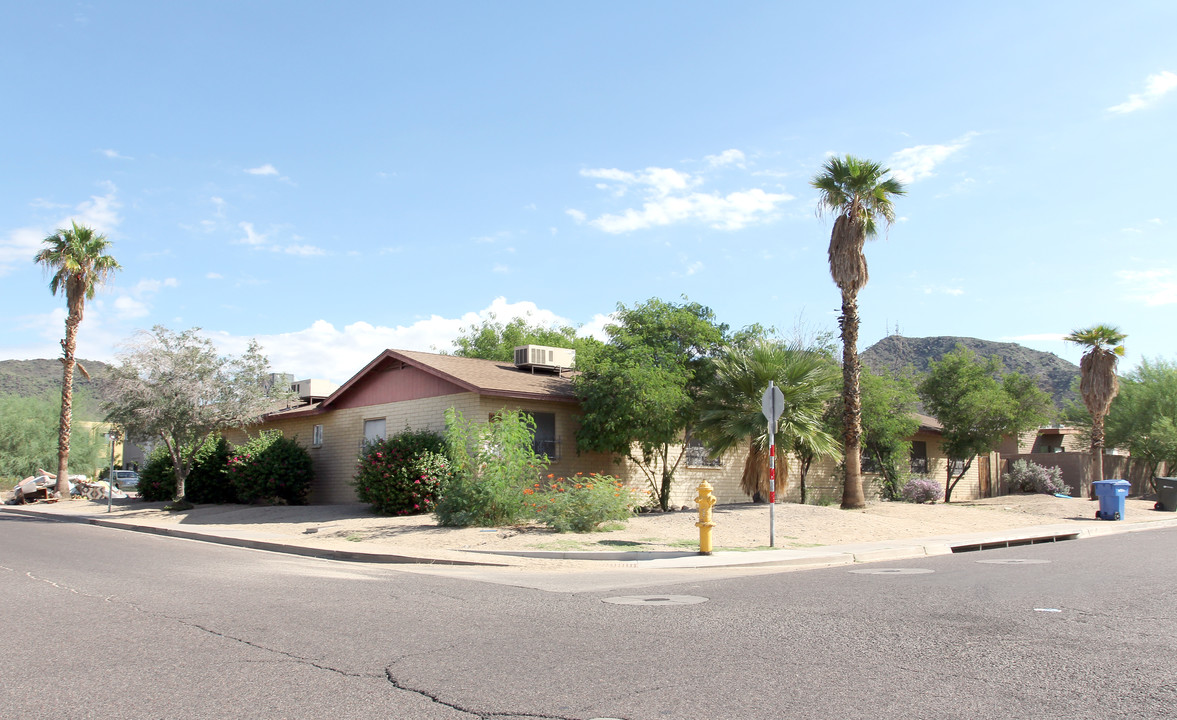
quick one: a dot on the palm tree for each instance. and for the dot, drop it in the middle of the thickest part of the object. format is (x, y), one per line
(730, 409)
(858, 194)
(77, 259)
(1097, 381)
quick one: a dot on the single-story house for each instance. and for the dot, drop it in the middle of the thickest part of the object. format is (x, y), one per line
(406, 389)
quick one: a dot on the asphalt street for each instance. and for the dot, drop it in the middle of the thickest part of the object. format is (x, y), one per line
(106, 623)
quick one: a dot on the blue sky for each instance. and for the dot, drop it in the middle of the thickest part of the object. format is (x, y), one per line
(338, 179)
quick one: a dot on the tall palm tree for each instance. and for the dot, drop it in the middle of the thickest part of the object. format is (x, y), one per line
(730, 407)
(859, 195)
(1097, 381)
(76, 258)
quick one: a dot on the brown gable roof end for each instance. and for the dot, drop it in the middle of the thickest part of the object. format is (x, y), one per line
(485, 377)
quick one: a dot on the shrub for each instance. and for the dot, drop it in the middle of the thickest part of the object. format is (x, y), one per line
(157, 479)
(580, 504)
(1031, 477)
(271, 469)
(404, 474)
(206, 481)
(922, 490)
(492, 464)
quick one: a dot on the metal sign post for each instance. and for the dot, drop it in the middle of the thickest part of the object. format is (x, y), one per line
(772, 404)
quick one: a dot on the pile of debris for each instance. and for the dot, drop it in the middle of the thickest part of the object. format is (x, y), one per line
(43, 487)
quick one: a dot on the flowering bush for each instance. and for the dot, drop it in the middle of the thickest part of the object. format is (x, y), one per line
(404, 474)
(493, 463)
(922, 490)
(1031, 477)
(271, 469)
(580, 504)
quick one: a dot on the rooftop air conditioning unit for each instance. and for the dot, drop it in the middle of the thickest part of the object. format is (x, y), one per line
(541, 356)
(313, 389)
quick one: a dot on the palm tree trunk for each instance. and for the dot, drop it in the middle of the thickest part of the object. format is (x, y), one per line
(67, 401)
(852, 497)
(1096, 448)
(754, 481)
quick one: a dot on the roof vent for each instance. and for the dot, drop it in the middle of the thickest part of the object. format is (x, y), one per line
(533, 357)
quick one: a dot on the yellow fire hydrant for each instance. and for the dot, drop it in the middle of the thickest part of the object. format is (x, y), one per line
(706, 501)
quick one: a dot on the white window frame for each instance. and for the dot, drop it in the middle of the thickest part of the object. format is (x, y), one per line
(317, 436)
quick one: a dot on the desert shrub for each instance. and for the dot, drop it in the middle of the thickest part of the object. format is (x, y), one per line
(922, 490)
(1031, 477)
(404, 474)
(271, 469)
(580, 504)
(492, 463)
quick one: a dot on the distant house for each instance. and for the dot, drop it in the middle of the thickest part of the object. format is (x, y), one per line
(406, 389)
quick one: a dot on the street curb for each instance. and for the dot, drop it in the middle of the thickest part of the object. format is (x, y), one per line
(829, 556)
(322, 553)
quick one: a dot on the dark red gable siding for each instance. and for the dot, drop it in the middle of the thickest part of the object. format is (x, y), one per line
(393, 381)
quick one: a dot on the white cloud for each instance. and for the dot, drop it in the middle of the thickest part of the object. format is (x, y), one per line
(727, 157)
(672, 197)
(266, 169)
(114, 155)
(731, 212)
(1152, 287)
(252, 237)
(128, 307)
(214, 276)
(1155, 87)
(500, 268)
(99, 212)
(303, 250)
(919, 162)
(576, 215)
(324, 351)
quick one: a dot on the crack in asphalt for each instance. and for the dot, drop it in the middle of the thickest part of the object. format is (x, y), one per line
(454, 706)
(290, 656)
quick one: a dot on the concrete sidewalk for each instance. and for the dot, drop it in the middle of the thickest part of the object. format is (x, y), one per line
(824, 556)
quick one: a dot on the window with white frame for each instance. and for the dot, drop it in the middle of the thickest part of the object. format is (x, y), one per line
(317, 436)
(374, 430)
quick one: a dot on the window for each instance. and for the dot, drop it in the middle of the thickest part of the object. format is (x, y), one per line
(544, 442)
(373, 431)
(869, 464)
(957, 466)
(317, 436)
(699, 455)
(919, 457)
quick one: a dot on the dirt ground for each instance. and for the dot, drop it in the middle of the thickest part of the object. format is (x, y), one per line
(738, 527)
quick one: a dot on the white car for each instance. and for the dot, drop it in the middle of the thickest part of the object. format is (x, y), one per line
(126, 479)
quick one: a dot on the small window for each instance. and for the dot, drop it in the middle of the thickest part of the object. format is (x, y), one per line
(373, 431)
(544, 441)
(919, 457)
(317, 436)
(699, 455)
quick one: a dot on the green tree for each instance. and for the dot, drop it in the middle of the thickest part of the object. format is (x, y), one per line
(29, 437)
(976, 409)
(638, 391)
(888, 422)
(77, 259)
(178, 388)
(730, 408)
(1097, 381)
(859, 196)
(1144, 416)
(493, 340)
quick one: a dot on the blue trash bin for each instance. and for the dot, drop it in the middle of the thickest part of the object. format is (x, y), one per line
(1111, 495)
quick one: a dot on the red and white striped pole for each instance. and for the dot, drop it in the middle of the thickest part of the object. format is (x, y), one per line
(771, 487)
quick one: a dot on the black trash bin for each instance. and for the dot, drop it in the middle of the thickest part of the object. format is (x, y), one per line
(1166, 494)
